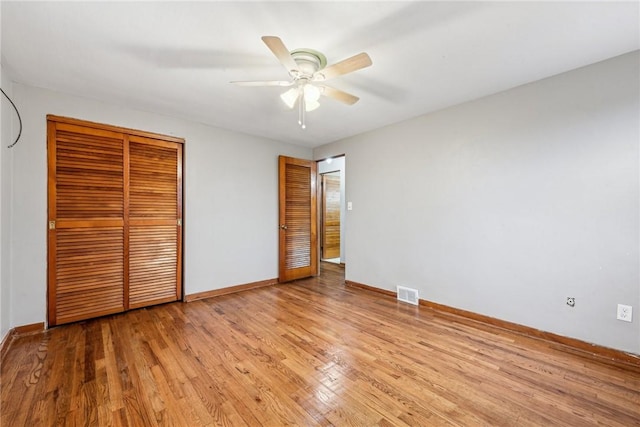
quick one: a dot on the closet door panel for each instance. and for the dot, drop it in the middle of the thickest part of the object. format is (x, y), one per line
(86, 223)
(154, 221)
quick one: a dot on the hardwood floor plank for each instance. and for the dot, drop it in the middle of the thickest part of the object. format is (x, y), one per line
(312, 352)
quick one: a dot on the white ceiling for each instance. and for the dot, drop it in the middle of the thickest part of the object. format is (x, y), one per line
(177, 58)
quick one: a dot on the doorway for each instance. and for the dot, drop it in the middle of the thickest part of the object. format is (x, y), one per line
(332, 207)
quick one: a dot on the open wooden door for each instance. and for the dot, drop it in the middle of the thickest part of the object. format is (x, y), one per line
(298, 219)
(331, 215)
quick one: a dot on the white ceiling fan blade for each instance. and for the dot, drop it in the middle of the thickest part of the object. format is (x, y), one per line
(339, 95)
(356, 62)
(281, 52)
(281, 83)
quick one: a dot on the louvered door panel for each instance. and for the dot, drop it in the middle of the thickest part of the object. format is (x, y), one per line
(154, 212)
(89, 272)
(89, 174)
(154, 179)
(298, 237)
(297, 218)
(86, 211)
(153, 258)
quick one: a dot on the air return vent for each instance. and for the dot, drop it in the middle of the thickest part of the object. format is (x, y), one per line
(408, 295)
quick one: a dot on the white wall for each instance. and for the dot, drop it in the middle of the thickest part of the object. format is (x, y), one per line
(230, 198)
(509, 204)
(338, 165)
(6, 139)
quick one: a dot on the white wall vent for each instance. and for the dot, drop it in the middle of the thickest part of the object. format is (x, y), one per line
(408, 295)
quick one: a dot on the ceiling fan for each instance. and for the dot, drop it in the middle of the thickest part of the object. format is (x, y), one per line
(308, 71)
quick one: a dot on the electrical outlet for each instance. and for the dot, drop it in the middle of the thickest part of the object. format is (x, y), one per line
(571, 301)
(625, 312)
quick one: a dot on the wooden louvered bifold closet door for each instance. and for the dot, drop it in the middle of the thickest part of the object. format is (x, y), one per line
(114, 220)
(86, 228)
(154, 234)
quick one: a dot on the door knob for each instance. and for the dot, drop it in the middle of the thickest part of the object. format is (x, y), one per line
(283, 227)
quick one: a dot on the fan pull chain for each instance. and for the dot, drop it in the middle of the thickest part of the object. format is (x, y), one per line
(302, 110)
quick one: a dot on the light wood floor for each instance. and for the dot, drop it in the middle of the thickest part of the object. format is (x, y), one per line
(309, 353)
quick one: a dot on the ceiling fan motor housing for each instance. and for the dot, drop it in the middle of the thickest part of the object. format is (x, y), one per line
(309, 61)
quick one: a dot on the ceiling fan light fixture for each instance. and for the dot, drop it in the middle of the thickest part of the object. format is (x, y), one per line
(311, 96)
(311, 93)
(310, 105)
(290, 97)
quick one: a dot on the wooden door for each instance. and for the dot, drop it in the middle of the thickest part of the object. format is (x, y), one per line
(298, 219)
(331, 215)
(155, 216)
(115, 216)
(86, 223)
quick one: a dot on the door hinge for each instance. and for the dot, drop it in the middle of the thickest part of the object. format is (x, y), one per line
(52, 225)
(179, 222)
